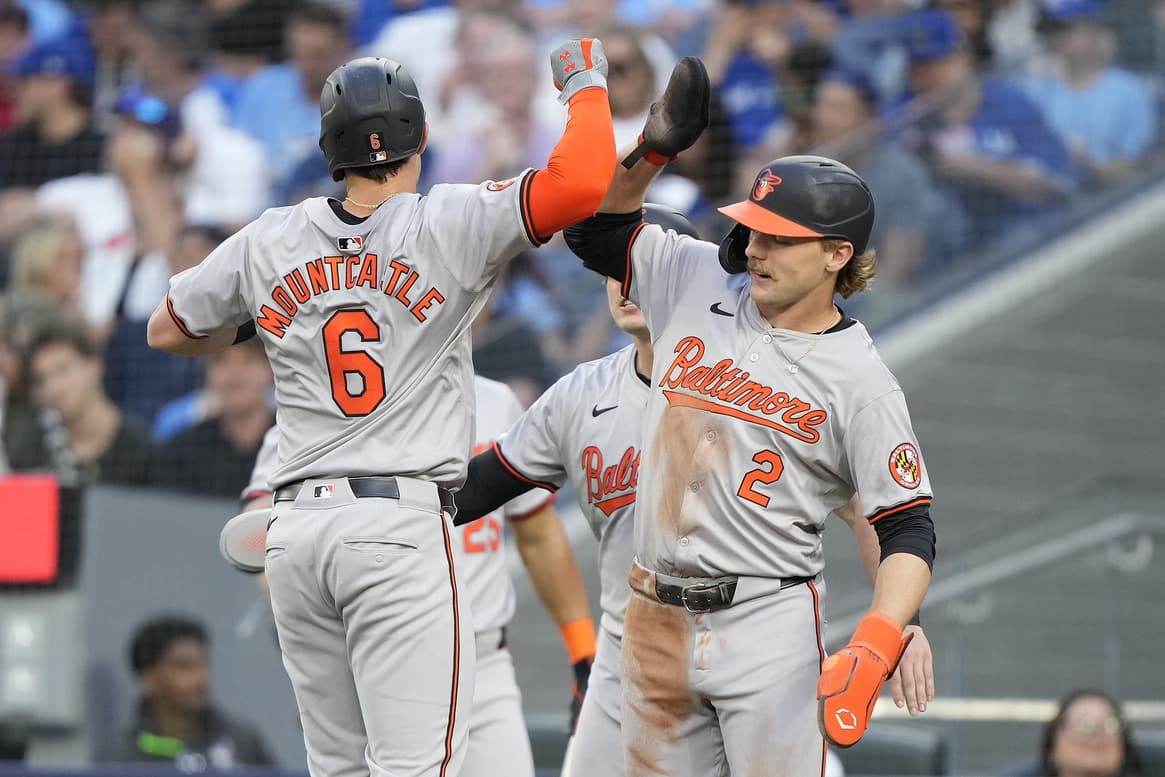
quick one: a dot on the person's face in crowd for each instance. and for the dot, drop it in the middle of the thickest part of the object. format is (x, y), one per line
(590, 16)
(785, 270)
(39, 96)
(14, 39)
(181, 678)
(315, 50)
(189, 251)
(1080, 43)
(1089, 741)
(624, 312)
(838, 111)
(968, 14)
(939, 75)
(64, 380)
(629, 81)
(240, 379)
(110, 27)
(511, 82)
(61, 281)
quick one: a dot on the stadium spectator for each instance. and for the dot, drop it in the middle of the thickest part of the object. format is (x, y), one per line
(1088, 737)
(139, 379)
(847, 128)
(506, 136)
(316, 42)
(981, 137)
(46, 259)
(746, 46)
(54, 134)
(107, 28)
(14, 41)
(506, 349)
(84, 431)
(1105, 113)
(20, 319)
(176, 722)
(220, 172)
(215, 457)
(973, 17)
(869, 40)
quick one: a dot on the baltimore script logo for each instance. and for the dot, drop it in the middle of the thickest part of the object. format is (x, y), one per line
(725, 389)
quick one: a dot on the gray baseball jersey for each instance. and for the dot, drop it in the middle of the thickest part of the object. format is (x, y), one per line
(755, 434)
(491, 591)
(586, 429)
(366, 326)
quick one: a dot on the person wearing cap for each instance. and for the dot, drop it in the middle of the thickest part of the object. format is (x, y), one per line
(54, 136)
(982, 138)
(768, 409)
(1105, 113)
(846, 126)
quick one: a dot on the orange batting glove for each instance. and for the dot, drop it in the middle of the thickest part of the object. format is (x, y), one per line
(852, 678)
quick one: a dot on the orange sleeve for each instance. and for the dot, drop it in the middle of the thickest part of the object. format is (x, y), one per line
(580, 169)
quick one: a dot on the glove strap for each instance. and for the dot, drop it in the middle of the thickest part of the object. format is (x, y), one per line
(881, 635)
(643, 152)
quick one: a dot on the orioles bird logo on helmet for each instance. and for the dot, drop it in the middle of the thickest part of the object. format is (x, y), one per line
(766, 183)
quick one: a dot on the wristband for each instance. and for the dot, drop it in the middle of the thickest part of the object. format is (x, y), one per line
(656, 158)
(579, 638)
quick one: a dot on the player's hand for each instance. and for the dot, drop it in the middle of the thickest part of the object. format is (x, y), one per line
(578, 64)
(913, 683)
(677, 119)
(578, 689)
(852, 678)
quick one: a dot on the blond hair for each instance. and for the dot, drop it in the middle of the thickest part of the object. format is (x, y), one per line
(858, 273)
(35, 252)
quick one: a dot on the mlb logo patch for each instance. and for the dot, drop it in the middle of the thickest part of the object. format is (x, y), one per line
(325, 491)
(352, 244)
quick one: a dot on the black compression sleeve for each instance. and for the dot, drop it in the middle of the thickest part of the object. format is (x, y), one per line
(910, 531)
(488, 486)
(603, 241)
(245, 332)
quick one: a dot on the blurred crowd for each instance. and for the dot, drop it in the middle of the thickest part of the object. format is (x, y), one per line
(137, 135)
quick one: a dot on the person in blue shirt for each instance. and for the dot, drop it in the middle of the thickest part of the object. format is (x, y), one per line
(1106, 114)
(279, 105)
(982, 138)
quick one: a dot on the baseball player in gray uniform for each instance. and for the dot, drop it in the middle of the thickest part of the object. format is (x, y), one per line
(364, 307)
(586, 430)
(498, 741)
(769, 408)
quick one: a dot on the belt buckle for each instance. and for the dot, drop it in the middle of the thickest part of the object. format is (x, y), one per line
(699, 588)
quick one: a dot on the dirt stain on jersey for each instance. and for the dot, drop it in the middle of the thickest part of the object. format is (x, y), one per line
(677, 437)
(656, 655)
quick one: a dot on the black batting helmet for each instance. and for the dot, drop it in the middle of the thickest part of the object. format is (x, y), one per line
(668, 218)
(800, 196)
(370, 114)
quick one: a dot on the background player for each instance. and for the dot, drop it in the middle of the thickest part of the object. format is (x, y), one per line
(586, 429)
(364, 307)
(769, 408)
(498, 740)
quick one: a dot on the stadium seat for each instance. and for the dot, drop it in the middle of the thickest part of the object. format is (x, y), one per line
(897, 750)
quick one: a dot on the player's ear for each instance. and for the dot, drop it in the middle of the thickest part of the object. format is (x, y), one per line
(424, 140)
(841, 252)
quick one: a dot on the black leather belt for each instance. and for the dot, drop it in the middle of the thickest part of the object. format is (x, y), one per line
(711, 596)
(367, 488)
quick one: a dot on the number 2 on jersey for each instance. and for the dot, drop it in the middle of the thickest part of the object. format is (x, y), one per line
(343, 363)
(769, 471)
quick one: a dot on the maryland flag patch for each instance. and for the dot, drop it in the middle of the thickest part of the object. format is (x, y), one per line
(905, 466)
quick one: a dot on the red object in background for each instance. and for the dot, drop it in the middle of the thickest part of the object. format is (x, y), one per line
(30, 512)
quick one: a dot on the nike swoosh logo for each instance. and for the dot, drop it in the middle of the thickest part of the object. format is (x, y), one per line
(716, 309)
(596, 411)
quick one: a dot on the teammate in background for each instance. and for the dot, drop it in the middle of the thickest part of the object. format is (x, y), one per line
(498, 740)
(769, 408)
(364, 307)
(586, 429)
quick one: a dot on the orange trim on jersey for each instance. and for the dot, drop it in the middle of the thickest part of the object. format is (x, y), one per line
(608, 506)
(456, 648)
(677, 399)
(626, 289)
(580, 169)
(820, 656)
(922, 500)
(514, 471)
(524, 208)
(178, 322)
(531, 513)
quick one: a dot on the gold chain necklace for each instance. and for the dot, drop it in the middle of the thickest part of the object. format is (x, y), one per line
(792, 363)
(372, 207)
